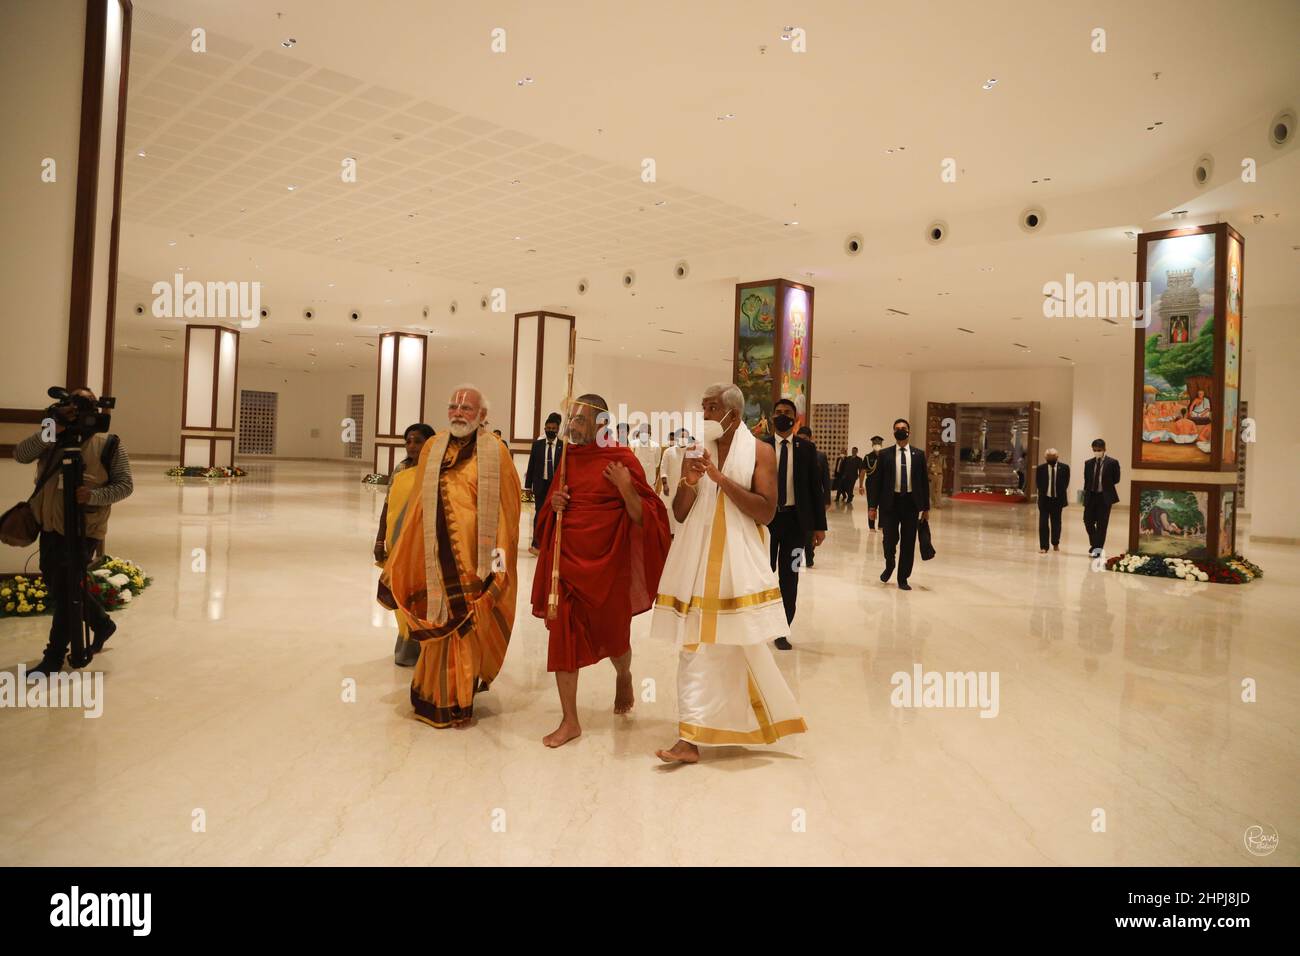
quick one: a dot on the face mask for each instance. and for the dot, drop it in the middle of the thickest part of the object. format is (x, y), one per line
(900, 433)
(1051, 461)
(714, 430)
(783, 423)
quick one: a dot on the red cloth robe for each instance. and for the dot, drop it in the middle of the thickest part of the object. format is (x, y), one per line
(609, 566)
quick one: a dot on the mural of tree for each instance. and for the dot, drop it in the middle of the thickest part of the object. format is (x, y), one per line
(1174, 363)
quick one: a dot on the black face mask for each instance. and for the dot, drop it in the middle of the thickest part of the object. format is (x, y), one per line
(783, 423)
(900, 433)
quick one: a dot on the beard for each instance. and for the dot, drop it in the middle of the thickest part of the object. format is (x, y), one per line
(461, 429)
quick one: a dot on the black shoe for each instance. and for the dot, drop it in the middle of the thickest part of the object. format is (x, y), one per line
(884, 575)
(782, 644)
(48, 665)
(903, 585)
(102, 635)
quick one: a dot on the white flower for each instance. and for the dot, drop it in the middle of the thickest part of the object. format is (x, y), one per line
(119, 580)
(124, 597)
(102, 573)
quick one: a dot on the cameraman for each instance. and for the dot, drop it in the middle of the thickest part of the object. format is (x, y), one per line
(106, 479)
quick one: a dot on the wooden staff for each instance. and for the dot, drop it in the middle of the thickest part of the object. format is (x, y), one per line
(553, 598)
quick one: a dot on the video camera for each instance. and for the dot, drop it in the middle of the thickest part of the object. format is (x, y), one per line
(81, 416)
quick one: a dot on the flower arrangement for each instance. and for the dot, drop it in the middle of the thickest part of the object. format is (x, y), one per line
(1232, 570)
(22, 596)
(193, 471)
(375, 479)
(113, 582)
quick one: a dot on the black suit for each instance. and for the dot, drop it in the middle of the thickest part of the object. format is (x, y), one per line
(1096, 504)
(899, 511)
(824, 478)
(795, 521)
(536, 477)
(1049, 508)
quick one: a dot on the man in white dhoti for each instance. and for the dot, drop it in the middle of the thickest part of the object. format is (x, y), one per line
(718, 595)
(647, 452)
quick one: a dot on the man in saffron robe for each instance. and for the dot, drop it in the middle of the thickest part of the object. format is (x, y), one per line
(613, 543)
(451, 571)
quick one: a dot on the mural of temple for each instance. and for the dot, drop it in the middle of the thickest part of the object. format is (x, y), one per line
(1178, 305)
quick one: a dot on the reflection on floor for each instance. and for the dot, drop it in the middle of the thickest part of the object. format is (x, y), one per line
(224, 704)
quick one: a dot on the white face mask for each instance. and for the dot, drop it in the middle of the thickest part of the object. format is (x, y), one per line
(712, 431)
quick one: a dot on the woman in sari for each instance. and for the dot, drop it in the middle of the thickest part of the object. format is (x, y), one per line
(400, 485)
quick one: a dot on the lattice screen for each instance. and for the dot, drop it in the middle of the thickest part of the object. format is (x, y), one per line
(257, 422)
(1241, 459)
(830, 428)
(356, 410)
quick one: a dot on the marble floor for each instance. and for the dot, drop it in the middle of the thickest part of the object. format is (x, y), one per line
(224, 705)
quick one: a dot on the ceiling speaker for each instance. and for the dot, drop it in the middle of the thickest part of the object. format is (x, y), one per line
(1031, 220)
(853, 244)
(1203, 170)
(936, 232)
(265, 313)
(452, 307)
(1281, 129)
(308, 314)
(483, 303)
(583, 286)
(424, 313)
(682, 269)
(355, 315)
(139, 308)
(629, 278)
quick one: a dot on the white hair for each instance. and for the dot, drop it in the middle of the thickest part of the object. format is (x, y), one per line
(482, 398)
(727, 393)
(1051, 451)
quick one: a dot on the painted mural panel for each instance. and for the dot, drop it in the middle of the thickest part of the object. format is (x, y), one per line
(755, 363)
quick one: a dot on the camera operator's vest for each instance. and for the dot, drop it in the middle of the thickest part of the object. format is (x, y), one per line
(48, 504)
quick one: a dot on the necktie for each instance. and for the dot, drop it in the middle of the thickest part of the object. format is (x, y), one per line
(549, 446)
(1099, 463)
(902, 474)
(782, 469)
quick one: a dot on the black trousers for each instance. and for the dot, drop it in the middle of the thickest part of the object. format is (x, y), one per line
(787, 536)
(899, 524)
(1096, 516)
(1049, 514)
(54, 569)
(871, 503)
(541, 488)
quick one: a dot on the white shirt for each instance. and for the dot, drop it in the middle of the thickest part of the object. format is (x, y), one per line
(789, 467)
(899, 451)
(1051, 479)
(647, 453)
(670, 468)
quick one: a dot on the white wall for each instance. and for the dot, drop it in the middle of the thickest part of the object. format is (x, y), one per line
(1271, 335)
(1052, 388)
(875, 398)
(1103, 408)
(148, 412)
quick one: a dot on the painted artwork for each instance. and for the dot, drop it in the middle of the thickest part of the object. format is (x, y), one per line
(1171, 523)
(1178, 376)
(756, 334)
(1228, 524)
(794, 352)
(1232, 353)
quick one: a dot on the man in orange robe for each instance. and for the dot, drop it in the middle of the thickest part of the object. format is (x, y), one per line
(451, 571)
(613, 545)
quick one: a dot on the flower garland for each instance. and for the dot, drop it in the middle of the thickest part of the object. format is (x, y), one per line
(1233, 570)
(194, 471)
(375, 479)
(113, 582)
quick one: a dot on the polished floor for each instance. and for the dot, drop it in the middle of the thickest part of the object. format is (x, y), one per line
(225, 704)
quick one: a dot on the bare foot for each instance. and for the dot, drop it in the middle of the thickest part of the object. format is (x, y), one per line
(681, 752)
(624, 698)
(562, 734)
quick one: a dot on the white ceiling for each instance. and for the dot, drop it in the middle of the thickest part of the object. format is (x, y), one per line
(442, 129)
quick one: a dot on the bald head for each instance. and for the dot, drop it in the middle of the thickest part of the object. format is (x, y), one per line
(588, 418)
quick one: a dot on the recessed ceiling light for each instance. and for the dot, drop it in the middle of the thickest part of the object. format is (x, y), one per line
(514, 182)
(727, 116)
(792, 222)
(1130, 234)
(141, 154)
(989, 84)
(895, 149)
(661, 202)
(288, 43)
(967, 331)
(331, 285)
(986, 268)
(524, 81)
(171, 242)
(1021, 345)
(291, 187)
(1179, 213)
